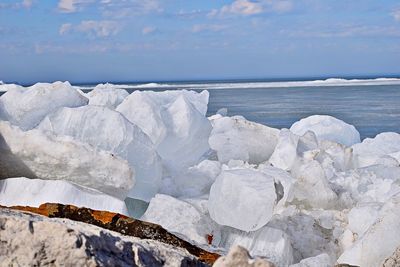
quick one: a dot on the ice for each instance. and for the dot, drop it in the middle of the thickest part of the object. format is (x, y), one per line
(237, 138)
(175, 121)
(371, 150)
(327, 128)
(26, 107)
(267, 242)
(34, 154)
(243, 199)
(34, 192)
(362, 216)
(322, 260)
(197, 180)
(312, 188)
(106, 95)
(290, 147)
(379, 241)
(108, 130)
(180, 217)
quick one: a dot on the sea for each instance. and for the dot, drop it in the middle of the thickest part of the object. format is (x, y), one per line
(372, 105)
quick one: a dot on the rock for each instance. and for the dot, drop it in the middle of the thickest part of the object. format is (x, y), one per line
(33, 154)
(243, 199)
(109, 130)
(240, 139)
(239, 257)
(393, 260)
(328, 128)
(34, 240)
(121, 224)
(26, 107)
(106, 95)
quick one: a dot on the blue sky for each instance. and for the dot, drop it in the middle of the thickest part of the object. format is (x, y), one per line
(149, 40)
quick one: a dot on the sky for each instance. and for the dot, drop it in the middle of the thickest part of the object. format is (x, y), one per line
(154, 40)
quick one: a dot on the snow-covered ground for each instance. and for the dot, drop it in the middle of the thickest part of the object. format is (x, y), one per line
(311, 195)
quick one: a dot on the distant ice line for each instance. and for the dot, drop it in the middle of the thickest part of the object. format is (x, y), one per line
(244, 85)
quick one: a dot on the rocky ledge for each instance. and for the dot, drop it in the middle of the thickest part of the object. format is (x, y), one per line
(30, 239)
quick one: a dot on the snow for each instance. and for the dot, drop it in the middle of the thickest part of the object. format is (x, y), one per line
(108, 130)
(237, 138)
(322, 260)
(234, 195)
(327, 128)
(34, 154)
(106, 95)
(26, 107)
(34, 192)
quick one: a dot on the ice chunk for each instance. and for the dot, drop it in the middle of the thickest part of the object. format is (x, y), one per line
(106, 95)
(26, 107)
(380, 240)
(363, 216)
(174, 121)
(243, 199)
(322, 260)
(285, 152)
(272, 244)
(197, 180)
(371, 149)
(327, 128)
(312, 188)
(34, 154)
(108, 130)
(34, 192)
(237, 138)
(180, 217)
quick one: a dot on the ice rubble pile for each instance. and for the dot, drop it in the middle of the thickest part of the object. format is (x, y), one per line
(311, 195)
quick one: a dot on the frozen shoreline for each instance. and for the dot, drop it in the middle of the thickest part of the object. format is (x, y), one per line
(314, 192)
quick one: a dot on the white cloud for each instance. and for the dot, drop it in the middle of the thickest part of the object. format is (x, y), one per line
(208, 27)
(124, 8)
(148, 30)
(396, 15)
(103, 28)
(253, 7)
(71, 6)
(22, 4)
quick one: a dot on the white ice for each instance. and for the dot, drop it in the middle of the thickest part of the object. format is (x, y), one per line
(237, 138)
(106, 95)
(110, 131)
(236, 193)
(26, 107)
(34, 192)
(34, 154)
(327, 128)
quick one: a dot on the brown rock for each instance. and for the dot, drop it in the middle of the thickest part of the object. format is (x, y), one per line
(239, 257)
(121, 224)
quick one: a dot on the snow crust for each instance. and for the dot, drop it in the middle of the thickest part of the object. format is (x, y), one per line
(311, 195)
